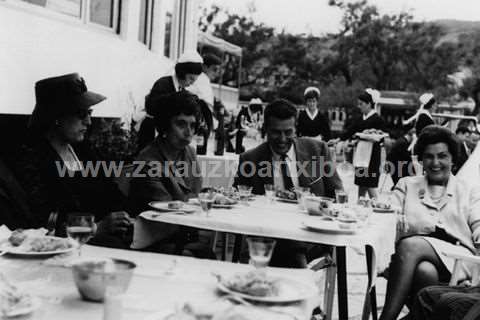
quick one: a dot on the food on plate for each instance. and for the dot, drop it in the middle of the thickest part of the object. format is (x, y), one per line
(382, 205)
(175, 205)
(17, 237)
(253, 283)
(285, 194)
(14, 301)
(41, 244)
(223, 200)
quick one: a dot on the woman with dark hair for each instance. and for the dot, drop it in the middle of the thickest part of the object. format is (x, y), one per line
(51, 166)
(170, 171)
(312, 123)
(439, 214)
(187, 69)
(367, 181)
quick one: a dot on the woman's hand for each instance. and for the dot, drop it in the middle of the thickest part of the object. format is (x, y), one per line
(115, 222)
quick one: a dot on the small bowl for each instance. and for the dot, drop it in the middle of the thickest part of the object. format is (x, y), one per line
(318, 206)
(92, 277)
(347, 224)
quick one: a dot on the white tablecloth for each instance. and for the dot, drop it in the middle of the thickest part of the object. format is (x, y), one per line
(159, 285)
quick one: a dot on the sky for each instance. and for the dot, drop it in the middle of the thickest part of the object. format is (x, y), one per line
(316, 17)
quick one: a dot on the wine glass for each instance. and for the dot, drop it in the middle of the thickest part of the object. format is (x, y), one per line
(244, 192)
(81, 228)
(260, 251)
(206, 201)
(270, 193)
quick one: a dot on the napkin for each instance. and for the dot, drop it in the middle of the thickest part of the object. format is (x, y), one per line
(363, 153)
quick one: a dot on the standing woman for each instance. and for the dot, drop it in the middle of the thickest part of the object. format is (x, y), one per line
(367, 181)
(312, 123)
(423, 116)
(187, 69)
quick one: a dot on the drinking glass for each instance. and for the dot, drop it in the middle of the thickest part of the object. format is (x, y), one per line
(206, 201)
(270, 193)
(81, 228)
(301, 193)
(341, 196)
(244, 192)
(260, 251)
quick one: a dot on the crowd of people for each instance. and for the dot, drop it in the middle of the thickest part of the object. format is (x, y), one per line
(440, 213)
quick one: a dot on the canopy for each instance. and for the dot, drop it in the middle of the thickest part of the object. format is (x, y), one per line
(224, 46)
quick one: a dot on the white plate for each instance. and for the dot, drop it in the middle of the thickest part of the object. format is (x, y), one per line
(326, 226)
(35, 304)
(223, 206)
(163, 206)
(380, 210)
(20, 251)
(289, 291)
(286, 200)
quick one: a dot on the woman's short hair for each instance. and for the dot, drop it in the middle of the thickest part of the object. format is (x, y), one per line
(182, 69)
(429, 104)
(367, 98)
(433, 134)
(281, 109)
(311, 93)
(172, 105)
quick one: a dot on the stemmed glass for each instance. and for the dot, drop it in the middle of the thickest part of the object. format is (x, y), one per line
(206, 201)
(260, 251)
(81, 228)
(244, 192)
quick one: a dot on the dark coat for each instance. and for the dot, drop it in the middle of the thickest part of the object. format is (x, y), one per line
(153, 103)
(422, 121)
(164, 186)
(462, 157)
(400, 159)
(36, 170)
(307, 127)
(314, 153)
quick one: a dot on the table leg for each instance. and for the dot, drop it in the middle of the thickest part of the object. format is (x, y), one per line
(372, 289)
(225, 246)
(341, 259)
(237, 247)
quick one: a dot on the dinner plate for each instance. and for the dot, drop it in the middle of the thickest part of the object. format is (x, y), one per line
(326, 226)
(20, 251)
(289, 291)
(286, 200)
(381, 210)
(223, 206)
(163, 206)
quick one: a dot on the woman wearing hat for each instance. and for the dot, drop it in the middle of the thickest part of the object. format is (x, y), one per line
(366, 178)
(51, 165)
(178, 176)
(311, 123)
(187, 69)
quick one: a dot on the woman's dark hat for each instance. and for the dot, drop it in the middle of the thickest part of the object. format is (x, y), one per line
(68, 92)
(61, 96)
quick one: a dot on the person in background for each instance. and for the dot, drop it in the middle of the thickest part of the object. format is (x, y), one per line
(399, 158)
(209, 104)
(463, 135)
(275, 162)
(367, 181)
(465, 103)
(51, 163)
(311, 122)
(439, 213)
(176, 173)
(422, 117)
(244, 120)
(186, 71)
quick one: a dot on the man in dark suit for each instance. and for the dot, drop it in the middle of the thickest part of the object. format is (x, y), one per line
(288, 162)
(463, 134)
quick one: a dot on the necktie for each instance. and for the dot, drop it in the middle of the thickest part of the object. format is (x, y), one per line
(287, 179)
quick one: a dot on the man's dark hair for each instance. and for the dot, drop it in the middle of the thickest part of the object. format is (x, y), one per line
(433, 134)
(280, 109)
(172, 105)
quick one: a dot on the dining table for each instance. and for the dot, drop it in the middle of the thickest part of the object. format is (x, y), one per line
(284, 220)
(161, 285)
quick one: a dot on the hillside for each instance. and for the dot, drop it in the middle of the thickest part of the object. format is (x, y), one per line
(455, 28)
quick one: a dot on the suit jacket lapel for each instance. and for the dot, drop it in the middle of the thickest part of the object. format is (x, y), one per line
(304, 165)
